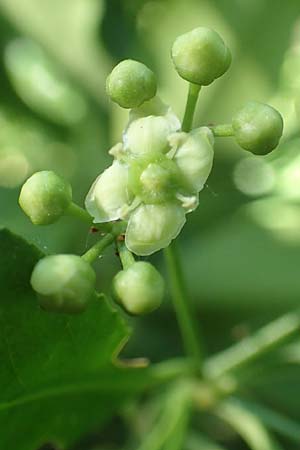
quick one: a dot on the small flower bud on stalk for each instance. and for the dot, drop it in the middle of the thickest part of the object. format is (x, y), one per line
(64, 283)
(200, 56)
(139, 288)
(257, 127)
(130, 84)
(45, 197)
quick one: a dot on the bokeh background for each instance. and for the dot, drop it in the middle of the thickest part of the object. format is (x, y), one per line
(241, 248)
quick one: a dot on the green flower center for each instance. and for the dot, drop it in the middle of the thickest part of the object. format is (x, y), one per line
(153, 178)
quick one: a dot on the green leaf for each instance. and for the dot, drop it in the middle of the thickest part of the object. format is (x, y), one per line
(57, 377)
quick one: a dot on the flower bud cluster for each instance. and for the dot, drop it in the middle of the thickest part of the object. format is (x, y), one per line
(155, 178)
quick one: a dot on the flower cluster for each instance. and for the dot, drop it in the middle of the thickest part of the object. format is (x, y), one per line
(155, 178)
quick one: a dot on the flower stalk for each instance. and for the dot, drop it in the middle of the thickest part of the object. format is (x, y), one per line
(79, 213)
(193, 94)
(224, 130)
(183, 310)
(253, 347)
(182, 306)
(93, 253)
(126, 257)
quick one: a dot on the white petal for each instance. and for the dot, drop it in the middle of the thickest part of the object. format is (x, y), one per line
(149, 127)
(117, 151)
(155, 107)
(194, 156)
(152, 227)
(148, 134)
(109, 194)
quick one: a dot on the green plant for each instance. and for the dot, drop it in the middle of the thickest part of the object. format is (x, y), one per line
(142, 199)
(158, 169)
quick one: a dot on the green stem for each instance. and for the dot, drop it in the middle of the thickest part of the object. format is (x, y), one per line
(197, 440)
(193, 95)
(224, 130)
(92, 254)
(264, 340)
(247, 425)
(277, 422)
(170, 370)
(80, 213)
(126, 257)
(170, 427)
(185, 316)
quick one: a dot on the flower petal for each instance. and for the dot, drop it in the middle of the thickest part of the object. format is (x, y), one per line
(152, 227)
(155, 107)
(194, 156)
(109, 194)
(149, 127)
(148, 134)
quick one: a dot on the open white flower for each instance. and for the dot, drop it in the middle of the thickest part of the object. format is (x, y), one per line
(156, 176)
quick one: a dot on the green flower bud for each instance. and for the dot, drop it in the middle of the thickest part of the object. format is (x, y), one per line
(45, 197)
(257, 127)
(200, 56)
(130, 84)
(64, 283)
(139, 289)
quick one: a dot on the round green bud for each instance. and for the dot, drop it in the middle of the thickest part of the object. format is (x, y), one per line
(200, 56)
(130, 84)
(64, 283)
(139, 289)
(45, 197)
(257, 127)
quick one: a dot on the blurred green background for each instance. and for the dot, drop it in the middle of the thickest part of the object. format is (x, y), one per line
(241, 248)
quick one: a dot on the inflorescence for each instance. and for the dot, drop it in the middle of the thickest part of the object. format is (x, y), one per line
(157, 172)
